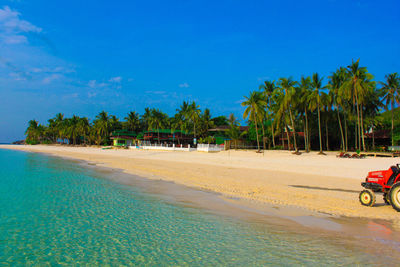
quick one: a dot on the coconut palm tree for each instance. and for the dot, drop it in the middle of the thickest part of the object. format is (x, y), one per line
(205, 123)
(391, 94)
(336, 80)
(355, 88)
(158, 120)
(193, 114)
(254, 104)
(289, 89)
(72, 128)
(83, 128)
(102, 126)
(132, 122)
(304, 89)
(235, 134)
(315, 102)
(32, 132)
(268, 89)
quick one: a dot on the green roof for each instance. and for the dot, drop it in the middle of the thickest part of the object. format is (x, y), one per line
(117, 133)
(168, 131)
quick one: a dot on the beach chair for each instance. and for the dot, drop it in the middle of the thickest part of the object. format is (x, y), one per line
(355, 156)
(343, 155)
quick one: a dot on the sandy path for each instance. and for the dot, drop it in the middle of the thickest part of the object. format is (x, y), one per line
(324, 184)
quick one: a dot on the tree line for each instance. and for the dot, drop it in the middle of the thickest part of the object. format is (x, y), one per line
(349, 104)
(80, 130)
(331, 115)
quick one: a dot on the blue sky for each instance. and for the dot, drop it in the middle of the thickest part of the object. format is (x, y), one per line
(80, 57)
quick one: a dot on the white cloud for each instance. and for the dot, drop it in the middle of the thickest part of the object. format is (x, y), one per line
(13, 28)
(95, 84)
(117, 79)
(51, 78)
(184, 85)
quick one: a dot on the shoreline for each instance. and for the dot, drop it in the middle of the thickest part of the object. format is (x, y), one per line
(256, 188)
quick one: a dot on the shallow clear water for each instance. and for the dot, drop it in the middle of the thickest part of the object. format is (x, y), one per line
(54, 211)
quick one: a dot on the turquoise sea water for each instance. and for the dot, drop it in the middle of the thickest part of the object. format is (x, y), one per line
(54, 211)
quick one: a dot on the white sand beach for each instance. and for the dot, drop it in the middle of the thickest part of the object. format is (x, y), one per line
(310, 182)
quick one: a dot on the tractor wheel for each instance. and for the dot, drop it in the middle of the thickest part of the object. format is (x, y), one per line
(386, 198)
(367, 198)
(394, 196)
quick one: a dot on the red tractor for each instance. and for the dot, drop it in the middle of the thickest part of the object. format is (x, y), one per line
(387, 182)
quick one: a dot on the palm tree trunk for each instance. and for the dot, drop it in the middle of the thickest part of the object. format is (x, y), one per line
(392, 120)
(356, 135)
(308, 134)
(345, 133)
(319, 128)
(362, 128)
(294, 130)
(327, 134)
(255, 122)
(288, 137)
(262, 124)
(272, 128)
(373, 138)
(341, 129)
(305, 134)
(273, 134)
(358, 123)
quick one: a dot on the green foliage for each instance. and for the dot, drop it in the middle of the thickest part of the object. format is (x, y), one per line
(220, 121)
(207, 140)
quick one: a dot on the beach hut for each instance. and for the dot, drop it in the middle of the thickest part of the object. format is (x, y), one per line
(123, 138)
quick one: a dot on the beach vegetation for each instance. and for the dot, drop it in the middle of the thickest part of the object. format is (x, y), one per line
(347, 110)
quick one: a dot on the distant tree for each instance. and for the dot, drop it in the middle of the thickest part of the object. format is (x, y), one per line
(315, 102)
(32, 132)
(220, 121)
(102, 126)
(288, 87)
(132, 122)
(254, 104)
(391, 94)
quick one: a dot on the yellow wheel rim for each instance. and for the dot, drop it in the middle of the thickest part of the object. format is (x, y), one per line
(365, 198)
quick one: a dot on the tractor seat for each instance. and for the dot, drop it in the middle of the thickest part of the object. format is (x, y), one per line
(395, 171)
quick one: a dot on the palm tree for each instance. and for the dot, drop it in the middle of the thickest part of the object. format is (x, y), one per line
(304, 92)
(205, 123)
(32, 132)
(145, 120)
(355, 88)
(235, 134)
(391, 94)
(268, 89)
(72, 128)
(83, 128)
(254, 104)
(59, 124)
(315, 103)
(288, 87)
(102, 127)
(193, 114)
(158, 120)
(232, 120)
(335, 82)
(132, 121)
